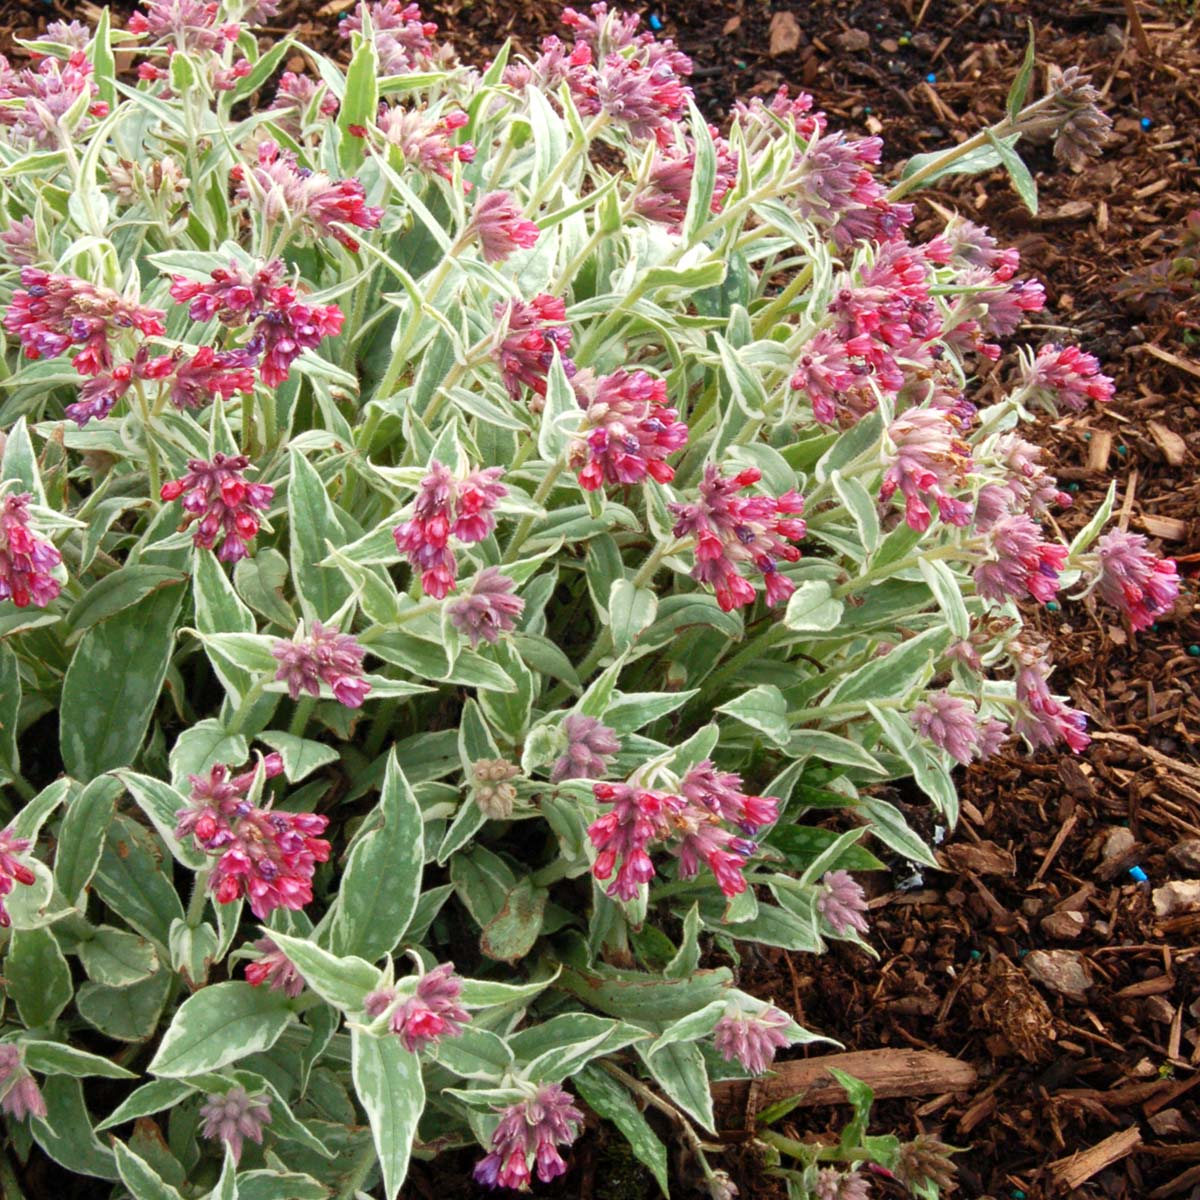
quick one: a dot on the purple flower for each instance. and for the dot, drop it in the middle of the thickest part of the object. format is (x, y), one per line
(448, 507)
(234, 296)
(531, 334)
(842, 903)
(501, 229)
(218, 496)
(752, 1038)
(322, 656)
(1026, 486)
(1020, 563)
(48, 92)
(265, 854)
(629, 430)
(275, 969)
(931, 458)
(74, 34)
(948, 722)
(209, 373)
(720, 793)
(1042, 719)
(830, 370)
(99, 394)
(648, 98)
(431, 1013)
(488, 609)
(402, 37)
(589, 746)
(234, 1116)
(293, 96)
(1068, 376)
(735, 531)
(26, 560)
(1133, 579)
(535, 1128)
(19, 242)
(20, 1096)
(190, 25)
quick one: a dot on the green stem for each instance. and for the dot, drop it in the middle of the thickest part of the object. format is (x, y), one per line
(546, 187)
(812, 1152)
(778, 306)
(242, 713)
(151, 448)
(651, 1098)
(887, 570)
(753, 649)
(195, 908)
(300, 717)
(539, 497)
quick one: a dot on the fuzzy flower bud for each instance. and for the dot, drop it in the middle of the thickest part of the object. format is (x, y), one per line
(843, 903)
(924, 1161)
(930, 459)
(833, 1184)
(752, 1038)
(491, 788)
(488, 609)
(20, 1096)
(1067, 375)
(1043, 720)
(590, 745)
(529, 335)
(26, 560)
(1133, 579)
(432, 1012)
(1020, 562)
(275, 969)
(500, 228)
(234, 1116)
(322, 656)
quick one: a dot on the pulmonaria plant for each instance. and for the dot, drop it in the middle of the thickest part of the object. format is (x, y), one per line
(644, 463)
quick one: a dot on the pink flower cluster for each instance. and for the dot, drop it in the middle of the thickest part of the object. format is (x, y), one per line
(930, 460)
(264, 854)
(1020, 562)
(46, 93)
(733, 532)
(499, 226)
(226, 506)
(590, 744)
(489, 609)
(20, 1096)
(425, 141)
(26, 560)
(530, 333)
(1133, 579)
(293, 96)
(664, 198)
(281, 327)
(532, 1129)
(274, 969)
(1025, 486)
(403, 38)
(951, 723)
(628, 429)
(326, 656)
(191, 25)
(1042, 719)
(1067, 376)
(432, 1012)
(447, 507)
(284, 191)
(50, 313)
(842, 903)
(233, 1116)
(693, 823)
(12, 869)
(752, 1039)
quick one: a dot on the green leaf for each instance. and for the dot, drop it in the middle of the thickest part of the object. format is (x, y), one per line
(948, 593)
(930, 774)
(630, 610)
(272, 1185)
(609, 1100)
(201, 747)
(81, 835)
(142, 1180)
(219, 1025)
(764, 709)
(561, 413)
(117, 958)
(387, 1079)
(382, 881)
(1020, 84)
(301, 756)
(557, 1048)
(486, 993)
(687, 957)
(812, 608)
(10, 709)
(113, 682)
(512, 932)
(126, 1014)
(312, 521)
(193, 948)
(162, 804)
(890, 827)
(66, 1133)
(151, 1097)
(832, 748)
(1018, 172)
(360, 104)
(119, 591)
(130, 881)
(55, 1058)
(680, 1071)
(895, 674)
(38, 977)
(804, 844)
(343, 981)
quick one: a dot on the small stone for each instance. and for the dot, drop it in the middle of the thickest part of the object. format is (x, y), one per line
(1171, 1123)
(854, 41)
(1178, 896)
(1118, 843)
(1186, 854)
(1063, 971)
(889, 45)
(1064, 926)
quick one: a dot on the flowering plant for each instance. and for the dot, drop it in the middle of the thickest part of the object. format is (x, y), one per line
(462, 528)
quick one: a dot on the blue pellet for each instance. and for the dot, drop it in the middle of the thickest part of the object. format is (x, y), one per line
(1138, 875)
(931, 78)
(1145, 122)
(655, 22)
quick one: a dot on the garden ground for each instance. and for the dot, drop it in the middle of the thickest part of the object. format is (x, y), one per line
(1063, 989)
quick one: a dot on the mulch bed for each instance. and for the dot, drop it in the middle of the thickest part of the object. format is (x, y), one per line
(1087, 1094)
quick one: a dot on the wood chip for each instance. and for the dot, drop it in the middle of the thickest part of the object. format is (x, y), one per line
(1075, 1171)
(1170, 529)
(784, 33)
(1099, 450)
(1174, 448)
(890, 1073)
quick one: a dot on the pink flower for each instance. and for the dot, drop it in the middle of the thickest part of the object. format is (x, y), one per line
(501, 229)
(720, 793)
(288, 192)
(12, 869)
(1133, 579)
(20, 1096)
(48, 92)
(834, 1184)
(322, 656)
(488, 609)
(734, 531)
(638, 818)
(190, 25)
(664, 198)
(26, 563)
(629, 429)
(1025, 486)
(948, 722)
(209, 373)
(234, 1116)
(1020, 563)
(234, 296)
(828, 369)
(590, 745)
(529, 333)
(294, 94)
(430, 1014)
(752, 1038)
(275, 969)
(99, 394)
(49, 313)
(930, 459)
(1042, 719)
(218, 496)
(447, 507)
(426, 141)
(288, 328)
(1067, 376)
(402, 38)
(535, 1128)
(265, 854)
(19, 242)
(843, 903)
(648, 98)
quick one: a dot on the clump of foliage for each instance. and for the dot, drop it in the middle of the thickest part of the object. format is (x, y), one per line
(459, 534)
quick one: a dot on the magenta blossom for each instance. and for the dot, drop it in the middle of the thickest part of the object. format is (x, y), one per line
(448, 507)
(530, 1132)
(530, 334)
(26, 560)
(294, 95)
(1068, 376)
(234, 1116)
(489, 609)
(1042, 719)
(949, 722)
(402, 36)
(843, 903)
(431, 1013)
(322, 656)
(590, 745)
(1020, 563)
(12, 869)
(274, 969)
(1133, 579)
(832, 373)
(192, 25)
(224, 504)
(425, 141)
(930, 460)
(733, 532)
(752, 1038)
(500, 228)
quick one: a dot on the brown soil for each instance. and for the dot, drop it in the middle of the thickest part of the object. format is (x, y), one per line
(1042, 836)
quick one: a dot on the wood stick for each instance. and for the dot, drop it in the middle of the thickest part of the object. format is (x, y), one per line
(1075, 1171)
(890, 1072)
